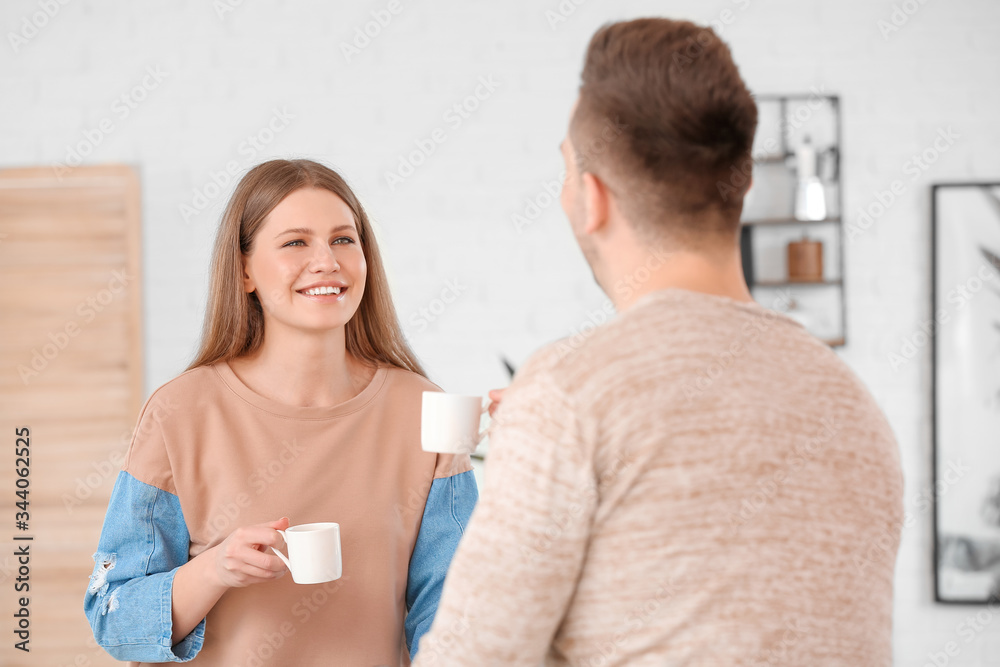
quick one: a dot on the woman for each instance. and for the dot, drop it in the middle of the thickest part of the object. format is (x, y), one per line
(303, 403)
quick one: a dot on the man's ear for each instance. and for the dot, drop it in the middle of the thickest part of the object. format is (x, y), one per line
(596, 202)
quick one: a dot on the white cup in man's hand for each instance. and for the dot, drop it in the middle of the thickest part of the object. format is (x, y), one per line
(449, 423)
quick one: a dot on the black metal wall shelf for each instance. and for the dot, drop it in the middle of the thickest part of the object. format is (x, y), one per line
(762, 232)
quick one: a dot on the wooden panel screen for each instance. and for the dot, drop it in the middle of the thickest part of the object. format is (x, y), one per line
(71, 354)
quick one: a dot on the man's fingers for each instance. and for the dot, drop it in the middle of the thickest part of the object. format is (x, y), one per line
(496, 395)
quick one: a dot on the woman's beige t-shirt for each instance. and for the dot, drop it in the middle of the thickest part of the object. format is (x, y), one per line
(235, 458)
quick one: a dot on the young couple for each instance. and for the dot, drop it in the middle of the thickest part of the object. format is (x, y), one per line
(613, 529)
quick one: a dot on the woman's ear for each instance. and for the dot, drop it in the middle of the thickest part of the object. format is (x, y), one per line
(596, 203)
(248, 285)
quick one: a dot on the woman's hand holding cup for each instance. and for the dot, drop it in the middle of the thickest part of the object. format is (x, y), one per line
(241, 559)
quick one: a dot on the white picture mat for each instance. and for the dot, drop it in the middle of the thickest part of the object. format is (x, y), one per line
(968, 376)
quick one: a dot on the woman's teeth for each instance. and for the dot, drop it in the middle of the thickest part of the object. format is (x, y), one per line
(316, 291)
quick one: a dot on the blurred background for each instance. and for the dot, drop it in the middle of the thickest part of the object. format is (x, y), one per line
(446, 118)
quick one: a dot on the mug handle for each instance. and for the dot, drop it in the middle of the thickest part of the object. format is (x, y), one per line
(280, 555)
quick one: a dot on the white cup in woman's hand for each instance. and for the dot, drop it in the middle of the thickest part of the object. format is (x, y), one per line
(314, 555)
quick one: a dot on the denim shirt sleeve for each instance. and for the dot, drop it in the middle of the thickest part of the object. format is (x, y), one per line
(128, 603)
(450, 502)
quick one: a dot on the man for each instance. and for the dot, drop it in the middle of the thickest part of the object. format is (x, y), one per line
(699, 481)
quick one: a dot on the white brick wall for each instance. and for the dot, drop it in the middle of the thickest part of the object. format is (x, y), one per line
(451, 220)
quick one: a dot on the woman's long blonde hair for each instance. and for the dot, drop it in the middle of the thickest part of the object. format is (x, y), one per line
(234, 319)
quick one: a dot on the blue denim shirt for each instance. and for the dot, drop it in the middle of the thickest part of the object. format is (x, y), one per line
(144, 540)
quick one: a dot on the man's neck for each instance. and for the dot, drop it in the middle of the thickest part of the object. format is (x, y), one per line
(717, 273)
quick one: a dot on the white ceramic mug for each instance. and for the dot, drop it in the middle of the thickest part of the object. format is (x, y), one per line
(313, 552)
(449, 423)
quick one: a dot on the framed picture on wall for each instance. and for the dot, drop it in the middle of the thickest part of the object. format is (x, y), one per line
(965, 221)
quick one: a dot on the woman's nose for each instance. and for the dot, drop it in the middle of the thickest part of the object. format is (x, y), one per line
(324, 259)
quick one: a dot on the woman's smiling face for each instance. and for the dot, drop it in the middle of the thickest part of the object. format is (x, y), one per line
(309, 240)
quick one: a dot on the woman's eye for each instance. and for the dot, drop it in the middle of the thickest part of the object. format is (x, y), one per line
(343, 240)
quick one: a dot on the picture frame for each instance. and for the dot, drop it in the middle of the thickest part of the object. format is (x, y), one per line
(965, 368)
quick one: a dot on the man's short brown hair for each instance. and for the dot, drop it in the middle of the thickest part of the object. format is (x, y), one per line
(664, 114)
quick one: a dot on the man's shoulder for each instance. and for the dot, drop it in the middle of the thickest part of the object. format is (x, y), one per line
(590, 348)
(678, 335)
(551, 361)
